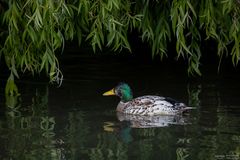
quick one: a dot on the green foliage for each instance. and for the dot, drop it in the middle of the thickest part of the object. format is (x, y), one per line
(11, 88)
(34, 31)
(34, 34)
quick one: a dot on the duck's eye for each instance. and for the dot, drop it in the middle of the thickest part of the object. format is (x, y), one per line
(119, 93)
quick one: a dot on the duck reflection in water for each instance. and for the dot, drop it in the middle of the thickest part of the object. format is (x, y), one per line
(141, 121)
(129, 121)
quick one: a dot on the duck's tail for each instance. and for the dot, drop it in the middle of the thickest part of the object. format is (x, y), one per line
(189, 108)
(186, 109)
(183, 107)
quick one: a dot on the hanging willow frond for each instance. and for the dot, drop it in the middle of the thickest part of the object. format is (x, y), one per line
(33, 31)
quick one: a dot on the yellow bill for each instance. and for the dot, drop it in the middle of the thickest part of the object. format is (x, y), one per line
(109, 93)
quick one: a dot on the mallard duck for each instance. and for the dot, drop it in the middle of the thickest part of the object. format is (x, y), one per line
(145, 105)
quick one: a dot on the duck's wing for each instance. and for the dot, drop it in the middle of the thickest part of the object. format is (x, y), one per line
(150, 101)
(174, 103)
(152, 105)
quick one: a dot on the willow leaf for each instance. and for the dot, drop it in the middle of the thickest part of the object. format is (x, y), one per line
(192, 9)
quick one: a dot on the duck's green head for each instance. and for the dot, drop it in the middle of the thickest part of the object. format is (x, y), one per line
(122, 90)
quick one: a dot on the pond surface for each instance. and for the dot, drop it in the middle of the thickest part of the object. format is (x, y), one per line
(75, 121)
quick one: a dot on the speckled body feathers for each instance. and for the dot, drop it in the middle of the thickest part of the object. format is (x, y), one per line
(152, 105)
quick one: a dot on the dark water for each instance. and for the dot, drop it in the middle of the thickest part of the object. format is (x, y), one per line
(76, 122)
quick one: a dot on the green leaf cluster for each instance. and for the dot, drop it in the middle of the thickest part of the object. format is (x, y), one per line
(33, 32)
